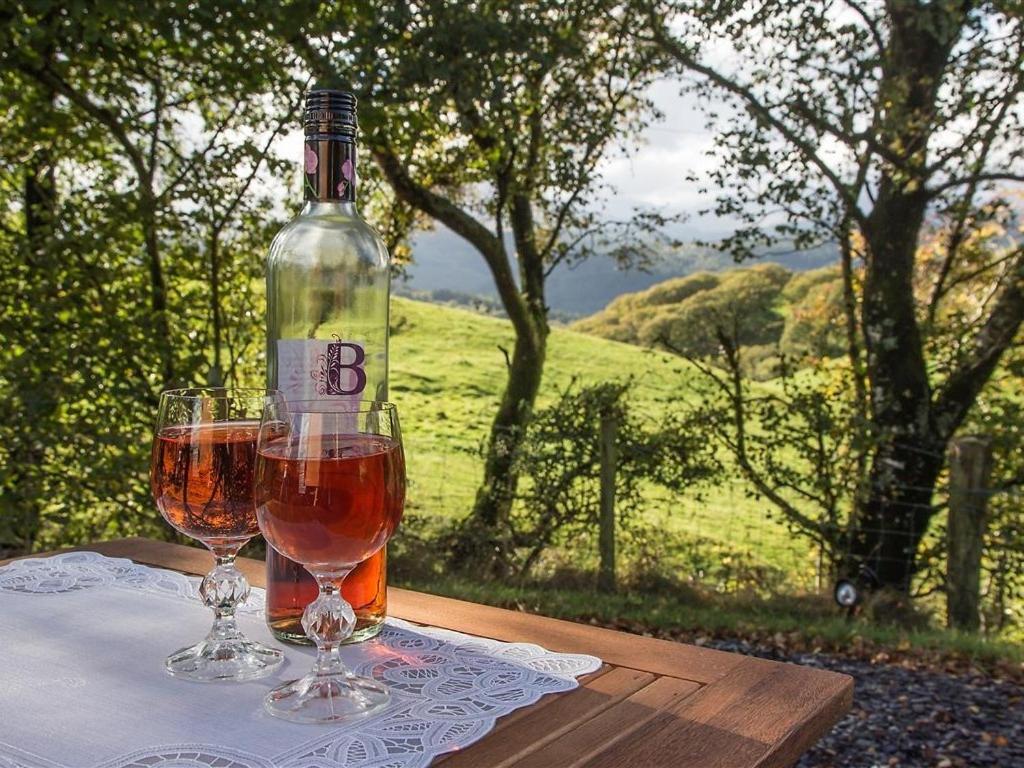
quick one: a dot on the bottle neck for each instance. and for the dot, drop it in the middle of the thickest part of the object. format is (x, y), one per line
(329, 208)
(329, 163)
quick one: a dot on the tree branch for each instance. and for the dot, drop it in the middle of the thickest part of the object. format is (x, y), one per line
(464, 225)
(975, 179)
(101, 114)
(955, 398)
(732, 358)
(261, 157)
(959, 230)
(853, 350)
(674, 49)
(869, 22)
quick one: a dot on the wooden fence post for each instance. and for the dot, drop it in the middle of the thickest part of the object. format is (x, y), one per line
(970, 464)
(606, 520)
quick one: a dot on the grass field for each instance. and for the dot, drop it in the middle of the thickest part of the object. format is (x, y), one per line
(447, 373)
(786, 622)
(751, 573)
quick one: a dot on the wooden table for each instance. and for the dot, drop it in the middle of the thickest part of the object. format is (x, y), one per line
(653, 703)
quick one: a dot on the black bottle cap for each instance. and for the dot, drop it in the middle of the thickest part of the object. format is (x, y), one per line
(330, 112)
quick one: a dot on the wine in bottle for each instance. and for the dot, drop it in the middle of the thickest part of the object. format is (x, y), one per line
(328, 287)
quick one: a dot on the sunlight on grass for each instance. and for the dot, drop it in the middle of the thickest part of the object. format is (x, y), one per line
(447, 374)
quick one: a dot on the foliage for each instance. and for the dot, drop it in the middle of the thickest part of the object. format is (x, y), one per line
(794, 315)
(560, 457)
(684, 312)
(815, 319)
(857, 124)
(137, 197)
(798, 446)
(119, 185)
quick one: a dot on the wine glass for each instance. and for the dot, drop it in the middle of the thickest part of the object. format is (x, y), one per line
(330, 490)
(201, 475)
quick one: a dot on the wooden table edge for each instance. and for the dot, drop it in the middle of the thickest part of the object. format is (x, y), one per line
(805, 735)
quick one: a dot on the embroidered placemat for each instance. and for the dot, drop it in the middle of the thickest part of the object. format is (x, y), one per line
(82, 685)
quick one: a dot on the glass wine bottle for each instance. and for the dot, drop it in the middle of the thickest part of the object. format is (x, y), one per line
(328, 287)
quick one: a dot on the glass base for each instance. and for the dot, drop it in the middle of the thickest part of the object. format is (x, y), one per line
(327, 698)
(234, 659)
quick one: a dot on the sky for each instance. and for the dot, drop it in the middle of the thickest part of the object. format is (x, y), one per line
(668, 150)
(651, 173)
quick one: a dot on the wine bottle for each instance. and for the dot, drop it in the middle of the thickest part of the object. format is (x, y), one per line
(328, 288)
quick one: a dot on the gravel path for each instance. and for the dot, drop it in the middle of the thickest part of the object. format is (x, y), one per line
(916, 718)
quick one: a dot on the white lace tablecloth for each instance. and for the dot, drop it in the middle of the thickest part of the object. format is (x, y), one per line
(82, 684)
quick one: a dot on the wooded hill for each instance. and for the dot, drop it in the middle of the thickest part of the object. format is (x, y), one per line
(772, 310)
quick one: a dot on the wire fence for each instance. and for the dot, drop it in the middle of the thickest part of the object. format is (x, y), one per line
(726, 537)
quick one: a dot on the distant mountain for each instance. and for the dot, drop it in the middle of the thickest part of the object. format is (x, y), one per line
(445, 266)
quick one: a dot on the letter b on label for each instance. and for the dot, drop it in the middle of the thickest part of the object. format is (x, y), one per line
(345, 377)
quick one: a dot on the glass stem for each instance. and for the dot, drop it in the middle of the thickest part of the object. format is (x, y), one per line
(223, 589)
(328, 621)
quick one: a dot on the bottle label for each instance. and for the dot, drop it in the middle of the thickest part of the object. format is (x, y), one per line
(330, 170)
(319, 369)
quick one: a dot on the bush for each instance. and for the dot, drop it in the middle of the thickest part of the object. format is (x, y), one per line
(559, 462)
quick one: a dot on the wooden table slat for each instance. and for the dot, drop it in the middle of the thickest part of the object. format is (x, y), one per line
(578, 746)
(765, 714)
(586, 681)
(540, 726)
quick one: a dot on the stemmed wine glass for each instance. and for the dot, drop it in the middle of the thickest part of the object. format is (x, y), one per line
(330, 491)
(201, 475)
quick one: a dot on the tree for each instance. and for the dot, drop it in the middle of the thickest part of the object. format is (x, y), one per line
(798, 442)
(686, 310)
(128, 242)
(496, 129)
(856, 123)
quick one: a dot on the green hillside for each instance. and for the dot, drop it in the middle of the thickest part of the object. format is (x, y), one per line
(768, 307)
(447, 373)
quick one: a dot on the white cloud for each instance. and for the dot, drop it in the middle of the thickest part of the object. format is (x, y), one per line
(653, 174)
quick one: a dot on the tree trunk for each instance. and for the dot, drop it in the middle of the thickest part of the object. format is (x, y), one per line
(162, 339)
(488, 522)
(487, 531)
(910, 453)
(33, 389)
(215, 378)
(896, 509)
(891, 522)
